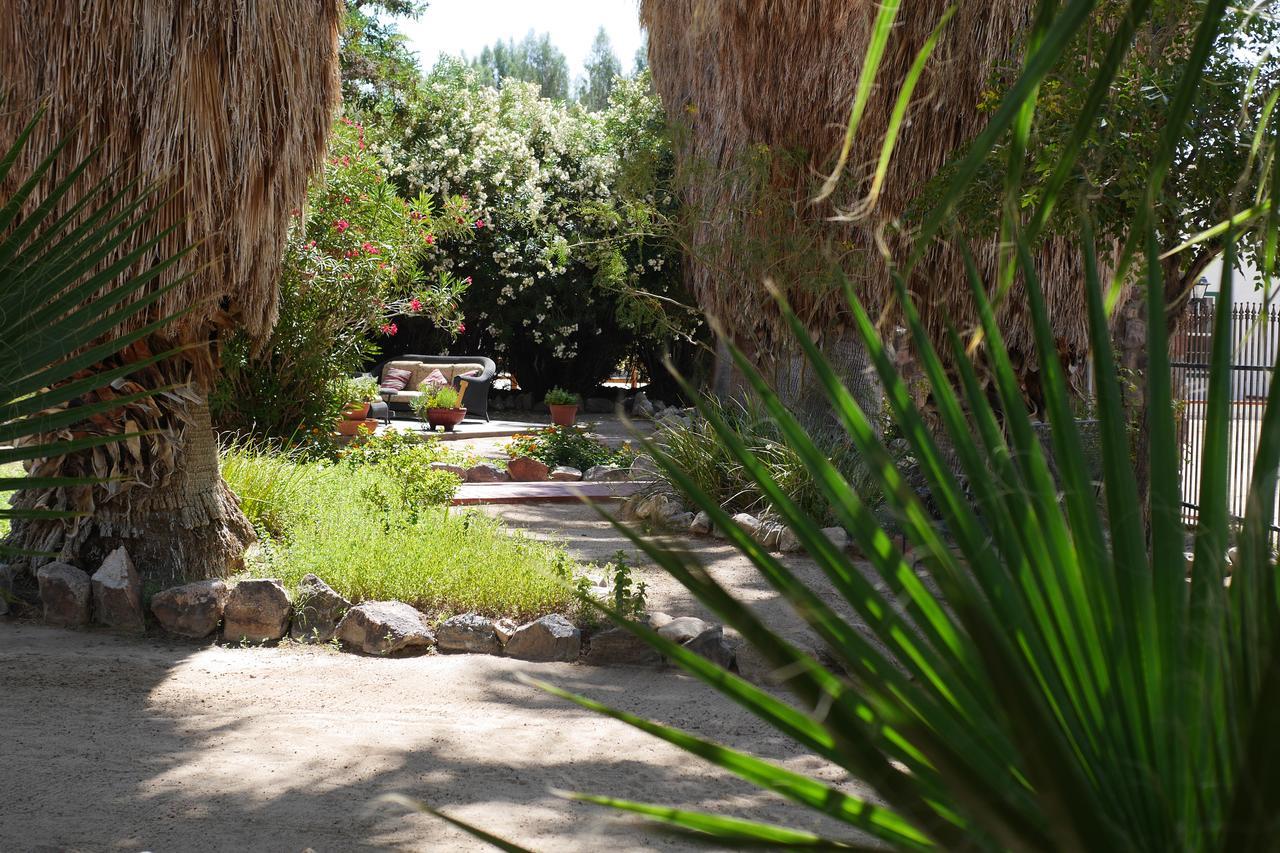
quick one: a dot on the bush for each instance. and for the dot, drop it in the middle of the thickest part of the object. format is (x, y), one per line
(436, 397)
(569, 278)
(560, 397)
(372, 526)
(703, 456)
(349, 266)
(572, 446)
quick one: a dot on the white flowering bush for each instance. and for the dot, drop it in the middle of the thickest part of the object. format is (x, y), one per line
(569, 272)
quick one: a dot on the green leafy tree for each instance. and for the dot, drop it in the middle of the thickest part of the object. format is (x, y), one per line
(532, 60)
(603, 68)
(379, 71)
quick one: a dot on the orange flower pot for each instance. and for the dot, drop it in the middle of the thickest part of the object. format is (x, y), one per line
(563, 414)
(352, 427)
(355, 411)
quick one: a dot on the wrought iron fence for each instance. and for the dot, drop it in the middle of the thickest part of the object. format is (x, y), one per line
(1255, 333)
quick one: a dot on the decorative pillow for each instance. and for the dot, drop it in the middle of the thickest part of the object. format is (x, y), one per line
(395, 379)
(435, 379)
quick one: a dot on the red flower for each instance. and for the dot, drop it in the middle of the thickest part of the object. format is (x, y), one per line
(346, 199)
(479, 223)
(429, 240)
(467, 280)
(390, 328)
(462, 327)
(370, 248)
(415, 305)
(342, 225)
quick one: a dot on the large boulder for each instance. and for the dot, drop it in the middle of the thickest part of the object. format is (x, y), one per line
(524, 469)
(701, 523)
(749, 523)
(641, 407)
(385, 628)
(837, 536)
(550, 638)
(468, 632)
(789, 542)
(65, 594)
(456, 470)
(620, 646)
(683, 629)
(317, 611)
(607, 474)
(486, 473)
(712, 646)
(117, 593)
(257, 610)
(192, 610)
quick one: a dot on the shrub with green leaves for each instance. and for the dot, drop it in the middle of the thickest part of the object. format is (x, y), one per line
(560, 397)
(573, 446)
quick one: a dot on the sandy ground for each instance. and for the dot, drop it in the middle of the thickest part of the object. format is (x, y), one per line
(125, 744)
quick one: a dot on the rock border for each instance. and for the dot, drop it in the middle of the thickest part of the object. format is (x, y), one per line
(261, 611)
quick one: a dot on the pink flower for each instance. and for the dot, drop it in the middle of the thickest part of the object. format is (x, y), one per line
(467, 280)
(370, 248)
(415, 305)
(311, 244)
(346, 199)
(429, 240)
(342, 225)
(390, 328)
(479, 223)
(462, 327)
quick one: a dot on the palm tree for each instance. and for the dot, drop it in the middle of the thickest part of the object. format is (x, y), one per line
(224, 108)
(762, 92)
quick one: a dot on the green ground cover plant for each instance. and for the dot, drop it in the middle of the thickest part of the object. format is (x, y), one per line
(573, 446)
(376, 525)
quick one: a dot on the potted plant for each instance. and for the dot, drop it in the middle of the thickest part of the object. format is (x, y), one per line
(440, 407)
(358, 395)
(563, 406)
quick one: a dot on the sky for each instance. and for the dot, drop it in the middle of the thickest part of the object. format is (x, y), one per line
(466, 26)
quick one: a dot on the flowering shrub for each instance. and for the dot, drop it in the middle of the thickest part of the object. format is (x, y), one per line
(571, 445)
(349, 268)
(567, 274)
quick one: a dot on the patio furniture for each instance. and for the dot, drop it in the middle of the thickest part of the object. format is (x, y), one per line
(472, 375)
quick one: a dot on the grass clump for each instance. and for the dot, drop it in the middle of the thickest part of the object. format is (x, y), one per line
(707, 461)
(383, 530)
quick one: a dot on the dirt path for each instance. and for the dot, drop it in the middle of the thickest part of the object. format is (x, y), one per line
(123, 744)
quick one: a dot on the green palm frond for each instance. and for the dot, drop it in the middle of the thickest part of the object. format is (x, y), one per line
(65, 288)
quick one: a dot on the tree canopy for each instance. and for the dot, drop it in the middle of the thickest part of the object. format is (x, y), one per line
(603, 68)
(534, 59)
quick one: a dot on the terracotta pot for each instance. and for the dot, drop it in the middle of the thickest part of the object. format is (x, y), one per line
(355, 411)
(352, 427)
(563, 414)
(447, 418)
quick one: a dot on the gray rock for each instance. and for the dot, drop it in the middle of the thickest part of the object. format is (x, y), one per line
(701, 523)
(192, 610)
(504, 629)
(550, 638)
(566, 474)
(599, 406)
(644, 465)
(317, 611)
(748, 522)
(712, 646)
(683, 629)
(65, 594)
(257, 610)
(451, 468)
(486, 473)
(657, 619)
(788, 542)
(681, 520)
(619, 646)
(770, 533)
(468, 632)
(837, 536)
(384, 628)
(117, 593)
(641, 407)
(607, 474)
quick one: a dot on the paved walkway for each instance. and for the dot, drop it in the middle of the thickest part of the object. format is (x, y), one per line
(545, 492)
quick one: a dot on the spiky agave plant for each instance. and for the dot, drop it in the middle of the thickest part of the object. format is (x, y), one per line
(61, 292)
(1048, 677)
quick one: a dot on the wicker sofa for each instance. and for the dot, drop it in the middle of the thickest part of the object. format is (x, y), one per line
(472, 373)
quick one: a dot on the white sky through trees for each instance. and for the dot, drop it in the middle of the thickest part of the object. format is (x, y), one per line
(466, 26)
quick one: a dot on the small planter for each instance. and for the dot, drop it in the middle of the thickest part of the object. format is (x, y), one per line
(353, 427)
(355, 411)
(563, 414)
(447, 418)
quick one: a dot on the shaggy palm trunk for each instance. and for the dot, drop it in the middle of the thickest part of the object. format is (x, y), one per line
(165, 502)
